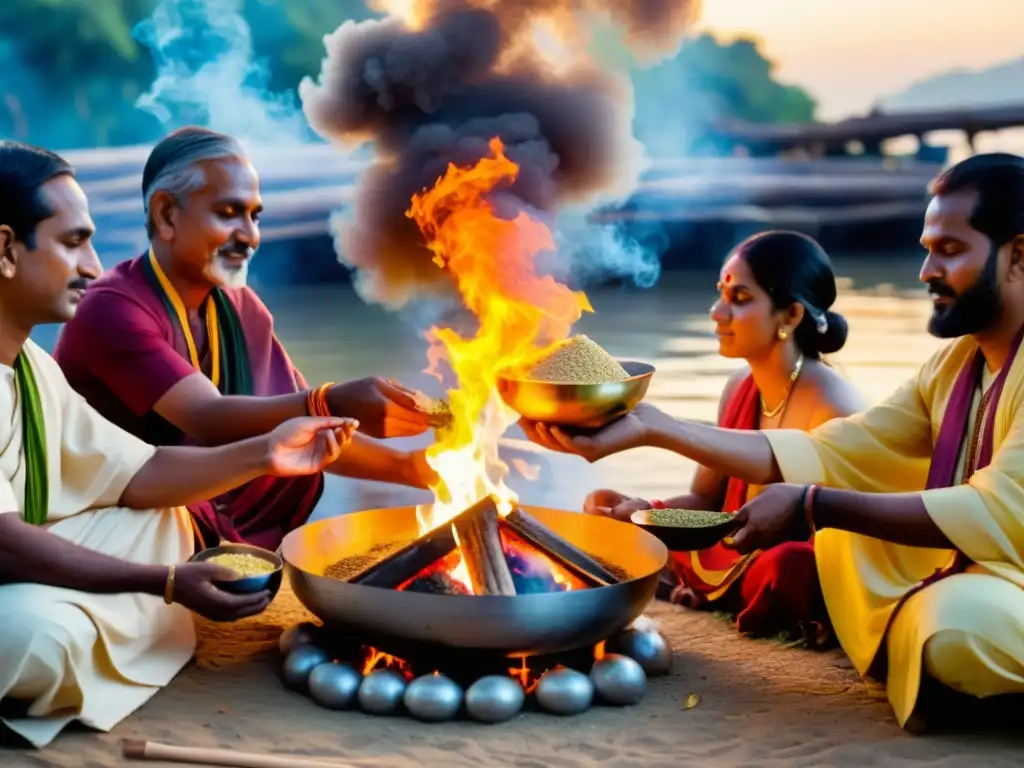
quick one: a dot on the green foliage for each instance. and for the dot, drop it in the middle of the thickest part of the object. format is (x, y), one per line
(678, 100)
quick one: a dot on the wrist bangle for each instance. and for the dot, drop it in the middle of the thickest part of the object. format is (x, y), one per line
(809, 495)
(316, 400)
(657, 504)
(169, 587)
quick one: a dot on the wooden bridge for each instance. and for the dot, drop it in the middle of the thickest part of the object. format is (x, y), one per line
(870, 130)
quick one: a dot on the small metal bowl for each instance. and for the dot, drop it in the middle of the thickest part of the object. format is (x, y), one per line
(247, 584)
(680, 539)
(586, 406)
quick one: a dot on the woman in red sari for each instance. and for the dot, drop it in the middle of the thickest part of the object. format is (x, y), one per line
(773, 311)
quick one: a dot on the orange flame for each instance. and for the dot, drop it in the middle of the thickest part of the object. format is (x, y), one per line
(520, 313)
(375, 659)
(525, 676)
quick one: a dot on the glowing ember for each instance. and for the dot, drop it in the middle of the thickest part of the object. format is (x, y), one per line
(526, 677)
(532, 572)
(375, 659)
(520, 314)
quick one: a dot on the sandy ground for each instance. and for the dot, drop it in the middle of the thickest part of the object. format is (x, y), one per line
(760, 704)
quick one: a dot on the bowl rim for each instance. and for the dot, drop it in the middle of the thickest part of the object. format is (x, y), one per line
(266, 555)
(645, 374)
(679, 538)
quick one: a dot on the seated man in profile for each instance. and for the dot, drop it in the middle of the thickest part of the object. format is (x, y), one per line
(94, 583)
(175, 348)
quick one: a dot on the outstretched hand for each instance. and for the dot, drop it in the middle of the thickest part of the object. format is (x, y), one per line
(384, 408)
(630, 431)
(772, 517)
(608, 503)
(307, 445)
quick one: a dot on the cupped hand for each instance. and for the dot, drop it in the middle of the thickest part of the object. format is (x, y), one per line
(307, 445)
(772, 517)
(195, 588)
(631, 431)
(383, 408)
(609, 503)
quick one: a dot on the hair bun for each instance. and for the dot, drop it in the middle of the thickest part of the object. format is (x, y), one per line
(834, 337)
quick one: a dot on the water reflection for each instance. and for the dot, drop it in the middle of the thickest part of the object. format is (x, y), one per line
(331, 334)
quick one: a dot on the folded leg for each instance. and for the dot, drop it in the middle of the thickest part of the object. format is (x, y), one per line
(966, 632)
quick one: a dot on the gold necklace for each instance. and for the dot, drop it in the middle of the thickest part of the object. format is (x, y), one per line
(771, 414)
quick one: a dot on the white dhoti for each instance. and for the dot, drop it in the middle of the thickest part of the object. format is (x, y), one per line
(71, 655)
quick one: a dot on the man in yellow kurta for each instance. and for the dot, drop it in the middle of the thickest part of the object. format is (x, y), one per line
(916, 581)
(95, 590)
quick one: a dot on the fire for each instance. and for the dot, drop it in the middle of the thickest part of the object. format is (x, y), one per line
(376, 659)
(519, 314)
(525, 676)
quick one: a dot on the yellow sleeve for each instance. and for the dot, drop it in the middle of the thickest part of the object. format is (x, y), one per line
(885, 449)
(98, 459)
(984, 518)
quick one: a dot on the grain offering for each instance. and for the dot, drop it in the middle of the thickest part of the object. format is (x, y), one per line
(439, 412)
(687, 518)
(578, 360)
(242, 564)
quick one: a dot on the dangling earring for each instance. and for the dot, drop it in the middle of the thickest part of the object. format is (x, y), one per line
(783, 335)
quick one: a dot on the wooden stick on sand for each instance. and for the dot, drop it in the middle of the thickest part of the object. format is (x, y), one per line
(134, 749)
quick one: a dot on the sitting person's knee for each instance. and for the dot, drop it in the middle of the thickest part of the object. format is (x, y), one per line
(791, 561)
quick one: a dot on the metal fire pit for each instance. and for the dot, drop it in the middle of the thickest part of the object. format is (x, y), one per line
(524, 625)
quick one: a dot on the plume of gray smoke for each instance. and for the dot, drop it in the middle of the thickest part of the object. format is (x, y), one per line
(207, 75)
(435, 92)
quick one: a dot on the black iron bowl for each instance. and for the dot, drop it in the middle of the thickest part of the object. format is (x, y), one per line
(679, 539)
(247, 584)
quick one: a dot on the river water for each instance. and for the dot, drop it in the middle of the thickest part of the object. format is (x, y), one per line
(332, 335)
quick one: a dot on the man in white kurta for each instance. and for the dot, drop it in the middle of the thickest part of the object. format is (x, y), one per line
(75, 655)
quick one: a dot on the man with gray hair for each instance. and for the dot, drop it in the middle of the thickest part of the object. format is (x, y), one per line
(173, 347)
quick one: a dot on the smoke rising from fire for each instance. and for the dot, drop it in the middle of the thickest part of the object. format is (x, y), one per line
(433, 85)
(207, 74)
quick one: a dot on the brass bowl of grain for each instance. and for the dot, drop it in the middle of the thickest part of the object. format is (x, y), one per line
(257, 568)
(577, 384)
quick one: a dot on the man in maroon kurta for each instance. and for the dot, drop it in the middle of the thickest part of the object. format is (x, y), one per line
(139, 351)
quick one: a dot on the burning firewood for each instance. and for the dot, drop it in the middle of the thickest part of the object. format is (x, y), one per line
(560, 550)
(398, 567)
(480, 545)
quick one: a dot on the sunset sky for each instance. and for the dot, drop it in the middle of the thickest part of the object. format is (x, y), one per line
(848, 53)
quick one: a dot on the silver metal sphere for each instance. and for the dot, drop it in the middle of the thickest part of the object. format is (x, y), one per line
(433, 698)
(297, 666)
(381, 692)
(564, 691)
(334, 686)
(300, 634)
(494, 699)
(618, 680)
(647, 647)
